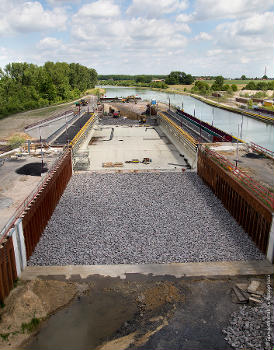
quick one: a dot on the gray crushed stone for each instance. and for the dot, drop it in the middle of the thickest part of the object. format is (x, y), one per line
(107, 120)
(251, 328)
(141, 218)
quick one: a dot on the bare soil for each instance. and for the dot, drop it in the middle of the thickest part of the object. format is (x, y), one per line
(140, 312)
(132, 110)
(29, 301)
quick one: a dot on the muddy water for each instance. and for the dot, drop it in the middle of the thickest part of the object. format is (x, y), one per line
(86, 323)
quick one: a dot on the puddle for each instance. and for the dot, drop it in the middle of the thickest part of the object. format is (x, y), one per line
(85, 323)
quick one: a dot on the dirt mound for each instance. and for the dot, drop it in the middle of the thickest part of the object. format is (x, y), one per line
(32, 169)
(159, 295)
(27, 305)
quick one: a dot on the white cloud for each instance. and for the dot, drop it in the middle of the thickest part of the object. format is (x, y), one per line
(255, 32)
(131, 36)
(244, 45)
(183, 17)
(148, 8)
(49, 43)
(100, 8)
(244, 60)
(31, 17)
(208, 9)
(3, 54)
(214, 52)
(203, 36)
(60, 2)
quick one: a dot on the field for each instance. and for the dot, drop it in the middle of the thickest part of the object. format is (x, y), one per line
(240, 82)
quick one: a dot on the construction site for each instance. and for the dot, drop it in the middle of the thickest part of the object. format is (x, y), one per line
(151, 212)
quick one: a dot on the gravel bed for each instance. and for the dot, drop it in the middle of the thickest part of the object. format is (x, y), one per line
(248, 327)
(107, 120)
(72, 130)
(141, 218)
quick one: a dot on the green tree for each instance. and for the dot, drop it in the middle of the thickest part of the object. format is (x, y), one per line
(218, 83)
(173, 78)
(234, 87)
(251, 86)
(243, 77)
(26, 86)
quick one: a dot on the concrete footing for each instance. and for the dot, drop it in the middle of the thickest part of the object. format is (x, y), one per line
(208, 269)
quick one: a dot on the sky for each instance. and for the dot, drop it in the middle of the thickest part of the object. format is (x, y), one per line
(200, 37)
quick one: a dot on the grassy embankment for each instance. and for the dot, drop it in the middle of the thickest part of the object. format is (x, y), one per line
(14, 124)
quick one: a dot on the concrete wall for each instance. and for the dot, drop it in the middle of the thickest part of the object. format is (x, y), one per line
(179, 141)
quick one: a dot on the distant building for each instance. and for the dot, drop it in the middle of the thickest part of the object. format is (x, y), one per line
(157, 80)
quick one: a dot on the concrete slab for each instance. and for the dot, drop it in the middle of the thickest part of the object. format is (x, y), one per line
(207, 269)
(134, 142)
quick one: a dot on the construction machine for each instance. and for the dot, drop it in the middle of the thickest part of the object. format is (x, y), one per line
(142, 119)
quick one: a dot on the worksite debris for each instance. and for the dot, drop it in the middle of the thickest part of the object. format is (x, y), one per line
(251, 328)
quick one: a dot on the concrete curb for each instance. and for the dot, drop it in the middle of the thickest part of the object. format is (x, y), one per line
(209, 269)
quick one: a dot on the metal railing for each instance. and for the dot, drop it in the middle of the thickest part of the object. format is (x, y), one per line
(186, 136)
(260, 149)
(48, 119)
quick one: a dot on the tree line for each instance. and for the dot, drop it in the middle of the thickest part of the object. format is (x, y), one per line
(153, 81)
(25, 86)
(143, 78)
(261, 85)
(203, 88)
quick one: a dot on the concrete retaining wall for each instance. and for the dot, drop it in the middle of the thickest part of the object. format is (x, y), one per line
(179, 139)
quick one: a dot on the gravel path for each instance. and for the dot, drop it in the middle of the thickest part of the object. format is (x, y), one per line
(140, 218)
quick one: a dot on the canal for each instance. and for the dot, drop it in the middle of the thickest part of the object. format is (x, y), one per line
(246, 128)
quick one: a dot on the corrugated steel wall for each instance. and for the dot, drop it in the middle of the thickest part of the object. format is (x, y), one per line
(38, 213)
(248, 210)
(8, 272)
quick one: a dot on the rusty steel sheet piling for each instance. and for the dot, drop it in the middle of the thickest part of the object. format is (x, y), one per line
(39, 211)
(8, 274)
(246, 207)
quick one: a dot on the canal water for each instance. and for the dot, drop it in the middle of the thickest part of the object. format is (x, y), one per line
(246, 128)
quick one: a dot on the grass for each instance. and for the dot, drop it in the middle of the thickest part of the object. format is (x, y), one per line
(95, 91)
(30, 326)
(5, 336)
(45, 111)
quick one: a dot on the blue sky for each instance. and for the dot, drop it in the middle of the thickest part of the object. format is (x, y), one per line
(201, 37)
